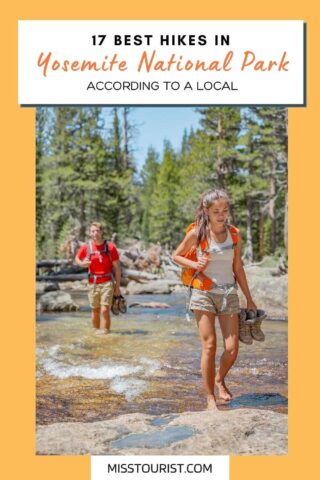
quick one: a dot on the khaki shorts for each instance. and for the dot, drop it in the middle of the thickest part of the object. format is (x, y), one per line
(212, 302)
(100, 294)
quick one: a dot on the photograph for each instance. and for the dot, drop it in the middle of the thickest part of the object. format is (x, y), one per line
(161, 280)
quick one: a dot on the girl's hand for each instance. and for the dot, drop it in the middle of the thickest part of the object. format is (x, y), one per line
(202, 263)
(251, 305)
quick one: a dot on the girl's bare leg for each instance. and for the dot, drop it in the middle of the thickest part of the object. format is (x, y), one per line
(207, 333)
(230, 331)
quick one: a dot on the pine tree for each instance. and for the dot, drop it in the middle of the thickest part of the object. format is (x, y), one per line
(220, 129)
(163, 211)
(115, 141)
(73, 177)
(148, 178)
(85, 172)
(43, 125)
(272, 145)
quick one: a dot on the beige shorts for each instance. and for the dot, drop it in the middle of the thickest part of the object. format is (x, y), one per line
(100, 294)
(212, 302)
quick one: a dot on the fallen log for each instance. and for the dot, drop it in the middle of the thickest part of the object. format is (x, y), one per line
(62, 278)
(138, 275)
(53, 263)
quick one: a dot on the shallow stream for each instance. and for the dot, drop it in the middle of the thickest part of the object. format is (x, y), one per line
(150, 363)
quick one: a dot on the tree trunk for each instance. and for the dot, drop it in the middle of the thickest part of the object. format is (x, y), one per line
(125, 138)
(261, 232)
(272, 213)
(249, 245)
(82, 219)
(285, 232)
(286, 199)
(220, 169)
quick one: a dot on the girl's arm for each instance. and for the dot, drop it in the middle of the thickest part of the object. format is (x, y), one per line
(240, 275)
(189, 241)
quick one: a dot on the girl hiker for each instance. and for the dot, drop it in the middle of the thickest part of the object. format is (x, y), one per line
(212, 268)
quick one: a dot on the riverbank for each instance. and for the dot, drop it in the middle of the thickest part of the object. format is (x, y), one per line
(269, 288)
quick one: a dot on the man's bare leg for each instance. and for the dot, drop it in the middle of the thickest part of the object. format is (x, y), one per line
(95, 316)
(105, 321)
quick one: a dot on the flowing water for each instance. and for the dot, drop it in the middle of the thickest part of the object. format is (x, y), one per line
(150, 363)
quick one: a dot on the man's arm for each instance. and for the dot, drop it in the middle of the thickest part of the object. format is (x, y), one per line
(117, 275)
(84, 262)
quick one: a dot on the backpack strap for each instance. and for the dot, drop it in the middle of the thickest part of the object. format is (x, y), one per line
(234, 232)
(106, 250)
(105, 247)
(190, 227)
(204, 244)
(89, 249)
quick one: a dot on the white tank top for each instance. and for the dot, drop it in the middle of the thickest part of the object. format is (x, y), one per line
(219, 268)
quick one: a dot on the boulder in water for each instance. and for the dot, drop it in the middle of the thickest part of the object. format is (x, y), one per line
(51, 287)
(56, 302)
(43, 287)
(39, 288)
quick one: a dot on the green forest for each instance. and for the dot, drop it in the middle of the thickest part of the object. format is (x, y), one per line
(85, 171)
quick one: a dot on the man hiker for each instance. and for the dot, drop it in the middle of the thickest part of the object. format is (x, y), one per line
(101, 258)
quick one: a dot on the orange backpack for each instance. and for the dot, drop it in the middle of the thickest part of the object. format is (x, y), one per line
(193, 278)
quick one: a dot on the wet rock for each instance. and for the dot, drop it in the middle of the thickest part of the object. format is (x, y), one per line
(56, 302)
(235, 432)
(158, 439)
(51, 287)
(43, 287)
(150, 305)
(39, 288)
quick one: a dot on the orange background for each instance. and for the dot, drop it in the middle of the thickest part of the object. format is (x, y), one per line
(18, 238)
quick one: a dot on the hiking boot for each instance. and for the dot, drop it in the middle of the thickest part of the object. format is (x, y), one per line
(255, 329)
(122, 304)
(250, 317)
(261, 314)
(244, 331)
